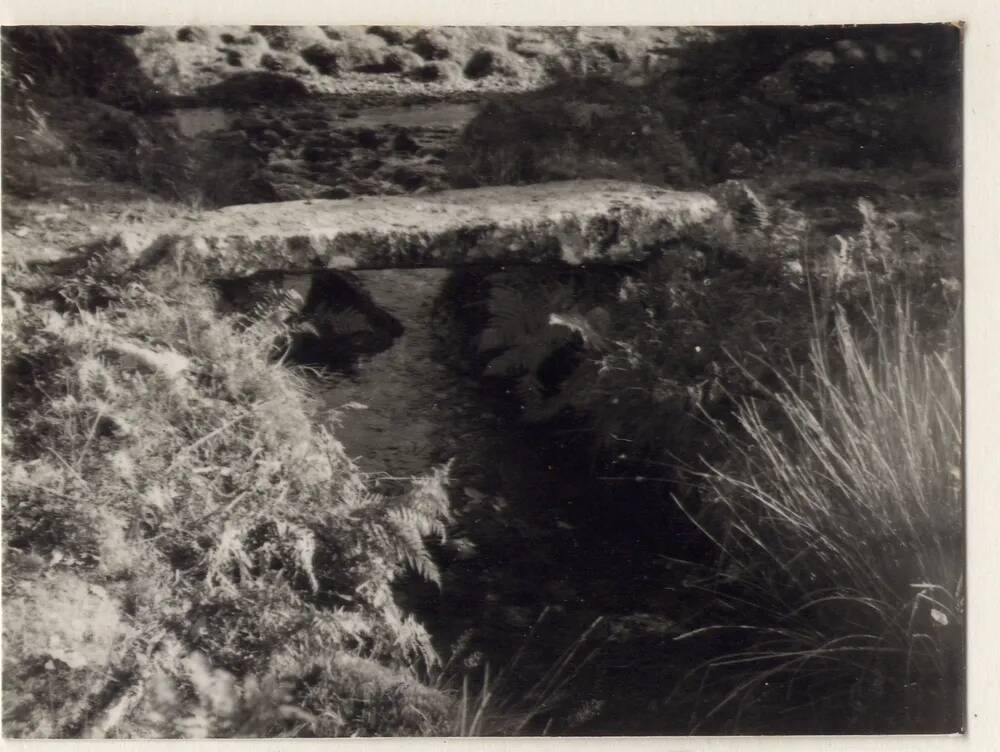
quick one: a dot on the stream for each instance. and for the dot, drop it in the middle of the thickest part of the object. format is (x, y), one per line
(322, 148)
(541, 547)
(192, 122)
(530, 534)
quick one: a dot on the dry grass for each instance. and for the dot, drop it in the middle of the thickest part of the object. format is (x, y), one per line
(494, 705)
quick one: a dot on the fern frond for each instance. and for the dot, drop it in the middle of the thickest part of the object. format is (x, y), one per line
(408, 545)
(423, 524)
(414, 641)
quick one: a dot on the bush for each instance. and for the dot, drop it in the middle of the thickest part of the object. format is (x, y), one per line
(444, 71)
(360, 52)
(321, 58)
(431, 44)
(480, 64)
(853, 96)
(398, 61)
(393, 35)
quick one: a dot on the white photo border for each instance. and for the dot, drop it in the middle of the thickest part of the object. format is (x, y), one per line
(981, 29)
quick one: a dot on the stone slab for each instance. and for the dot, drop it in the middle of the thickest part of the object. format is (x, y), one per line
(572, 222)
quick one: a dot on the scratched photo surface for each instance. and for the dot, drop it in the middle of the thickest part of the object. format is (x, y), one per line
(482, 381)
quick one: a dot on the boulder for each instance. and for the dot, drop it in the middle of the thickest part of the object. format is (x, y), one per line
(571, 222)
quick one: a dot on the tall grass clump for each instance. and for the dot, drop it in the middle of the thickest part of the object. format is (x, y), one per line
(838, 520)
(506, 702)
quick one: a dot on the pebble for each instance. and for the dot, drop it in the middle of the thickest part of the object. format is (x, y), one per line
(22, 232)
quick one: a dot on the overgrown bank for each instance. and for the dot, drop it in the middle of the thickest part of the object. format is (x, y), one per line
(230, 570)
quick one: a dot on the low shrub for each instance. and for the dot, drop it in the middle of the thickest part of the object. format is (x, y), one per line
(481, 63)
(85, 136)
(291, 38)
(321, 58)
(397, 61)
(362, 52)
(80, 61)
(443, 71)
(431, 44)
(393, 35)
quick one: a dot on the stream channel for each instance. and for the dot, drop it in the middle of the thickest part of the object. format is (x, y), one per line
(535, 532)
(541, 547)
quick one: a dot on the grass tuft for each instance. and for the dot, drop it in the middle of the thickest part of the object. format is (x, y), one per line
(503, 705)
(838, 523)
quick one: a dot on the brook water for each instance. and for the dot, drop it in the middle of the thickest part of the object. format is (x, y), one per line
(192, 122)
(534, 531)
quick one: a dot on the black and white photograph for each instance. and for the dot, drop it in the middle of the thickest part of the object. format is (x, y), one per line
(477, 381)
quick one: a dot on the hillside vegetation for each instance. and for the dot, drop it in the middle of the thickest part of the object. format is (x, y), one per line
(234, 64)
